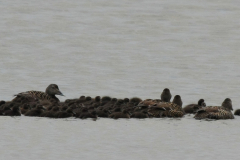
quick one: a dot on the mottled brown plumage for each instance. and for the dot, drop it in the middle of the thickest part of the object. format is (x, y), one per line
(216, 112)
(49, 94)
(167, 109)
(147, 102)
(135, 100)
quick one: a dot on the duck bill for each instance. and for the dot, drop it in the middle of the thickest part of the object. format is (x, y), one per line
(59, 93)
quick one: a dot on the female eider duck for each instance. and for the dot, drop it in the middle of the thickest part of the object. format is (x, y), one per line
(167, 109)
(192, 108)
(49, 94)
(216, 112)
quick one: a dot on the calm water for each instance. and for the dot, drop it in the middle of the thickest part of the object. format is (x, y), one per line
(122, 49)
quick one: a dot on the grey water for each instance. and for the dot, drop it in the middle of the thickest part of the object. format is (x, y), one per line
(122, 49)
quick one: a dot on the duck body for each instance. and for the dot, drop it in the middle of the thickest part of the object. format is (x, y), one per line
(103, 113)
(14, 112)
(123, 114)
(192, 108)
(216, 112)
(25, 108)
(65, 114)
(140, 114)
(88, 114)
(166, 95)
(2, 111)
(36, 112)
(51, 113)
(49, 94)
(237, 112)
(167, 109)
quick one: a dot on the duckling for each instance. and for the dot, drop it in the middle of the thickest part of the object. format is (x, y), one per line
(91, 114)
(2, 102)
(126, 100)
(108, 103)
(237, 112)
(3, 110)
(81, 100)
(36, 112)
(140, 114)
(51, 113)
(103, 113)
(192, 108)
(25, 108)
(105, 100)
(135, 100)
(66, 114)
(166, 95)
(14, 112)
(7, 104)
(123, 114)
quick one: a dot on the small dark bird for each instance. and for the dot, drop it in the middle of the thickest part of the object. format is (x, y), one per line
(14, 112)
(105, 100)
(2, 102)
(3, 110)
(25, 108)
(140, 114)
(192, 108)
(103, 113)
(123, 114)
(166, 95)
(66, 114)
(36, 112)
(92, 114)
(51, 113)
(237, 112)
(135, 100)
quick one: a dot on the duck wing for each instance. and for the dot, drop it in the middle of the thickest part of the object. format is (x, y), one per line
(166, 109)
(35, 94)
(214, 112)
